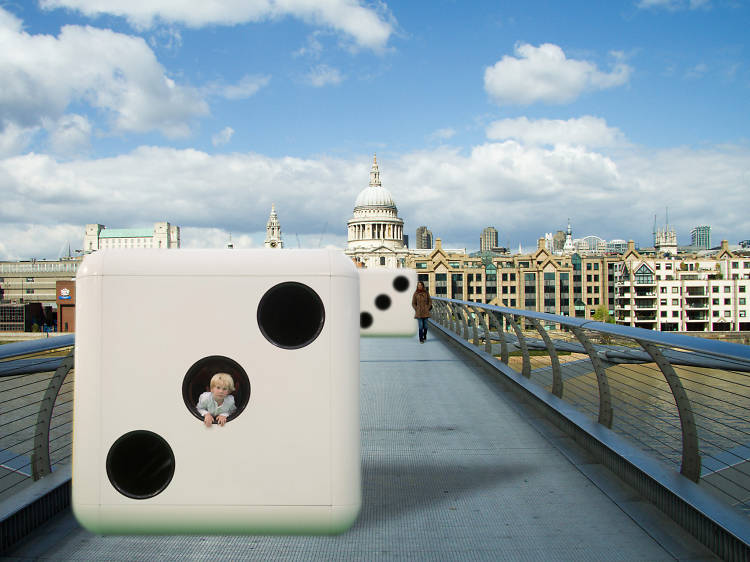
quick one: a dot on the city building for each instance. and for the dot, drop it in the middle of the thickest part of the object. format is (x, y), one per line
(99, 237)
(273, 231)
(685, 294)
(566, 285)
(424, 238)
(700, 237)
(29, 292)
(488, 239)
(375, 231)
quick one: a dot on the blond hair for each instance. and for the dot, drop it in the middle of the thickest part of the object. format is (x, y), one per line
(223, 379)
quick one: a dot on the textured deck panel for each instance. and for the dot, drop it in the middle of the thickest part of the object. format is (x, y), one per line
(451, 470)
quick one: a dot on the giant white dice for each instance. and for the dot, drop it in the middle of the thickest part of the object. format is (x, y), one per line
(385, 301)
(152, 327)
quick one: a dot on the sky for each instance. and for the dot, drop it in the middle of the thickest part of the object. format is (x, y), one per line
(516, 114)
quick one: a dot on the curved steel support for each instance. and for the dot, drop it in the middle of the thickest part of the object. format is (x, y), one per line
(40, 461)
(557, 383)
(504, 355)
(474, 323)
(464, 322)
(605, 398)
(691, 458)
(526, 371)
(483, 316)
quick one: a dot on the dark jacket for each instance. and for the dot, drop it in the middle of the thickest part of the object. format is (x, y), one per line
(421, 304)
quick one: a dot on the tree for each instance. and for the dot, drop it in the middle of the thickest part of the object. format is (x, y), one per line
(602, 315)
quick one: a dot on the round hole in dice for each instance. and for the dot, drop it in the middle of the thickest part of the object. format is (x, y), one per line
(140, 464)
(291, 315)
(401, 283)
(365, 319)
(383, 302)
(198, 380)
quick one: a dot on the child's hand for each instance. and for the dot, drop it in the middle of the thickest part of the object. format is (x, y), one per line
(208, 419)
(221, 420)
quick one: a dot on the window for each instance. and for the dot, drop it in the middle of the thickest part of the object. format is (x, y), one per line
(714, 301)
(675, 289)
(663, 314)
(29, 279)
(588, 300)
(505, 290)
(727, 289)
(29, 291)
(735, 265)
(742, 301)
(505, 276)
(675, 314)
(658, 266)
(742, 314)
(421, 265)
(742, 288)
(716, 313)
(382, 261)
(663, 302)
(596, 300)
(512, 302)
(512, 289)
(714, 289)
(662, 289)
(588, 267)
(512, 276)
(727, 301)
(668, 266)
(588, 279)
(596, 278)
(675, 302)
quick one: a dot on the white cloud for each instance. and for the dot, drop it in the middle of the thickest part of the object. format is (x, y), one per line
(545, 74)
(698, 71)
(14, 138)
(121, 78)
(247, 87)
(442, 134)
(524, 189)
(222, 137)
(588, 131)
(69, 135)
(322, 75)
(673, 5)
(368, 27)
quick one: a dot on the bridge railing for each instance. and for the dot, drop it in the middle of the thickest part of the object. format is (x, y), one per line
(682, 400)
(36, 410)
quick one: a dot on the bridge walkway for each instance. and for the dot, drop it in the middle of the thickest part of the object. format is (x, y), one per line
(454, 468)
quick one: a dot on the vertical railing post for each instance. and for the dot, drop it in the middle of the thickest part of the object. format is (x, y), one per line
(691, 458)
(557, 384)
(504, 355)
(526, 370)
(605, 398)
(40, 460)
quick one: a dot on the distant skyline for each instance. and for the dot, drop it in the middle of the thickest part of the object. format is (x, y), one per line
(515, 115)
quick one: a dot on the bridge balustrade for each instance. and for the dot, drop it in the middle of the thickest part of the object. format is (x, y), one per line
(681, 401)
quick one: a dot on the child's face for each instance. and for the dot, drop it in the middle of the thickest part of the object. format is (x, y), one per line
(220, 392)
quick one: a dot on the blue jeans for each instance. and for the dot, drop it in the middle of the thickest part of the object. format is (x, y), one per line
(422, 322)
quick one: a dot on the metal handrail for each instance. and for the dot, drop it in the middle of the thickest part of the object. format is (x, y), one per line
(35, 410)
(704, 393)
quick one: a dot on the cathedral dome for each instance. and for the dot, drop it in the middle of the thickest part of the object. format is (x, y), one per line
(374, 195)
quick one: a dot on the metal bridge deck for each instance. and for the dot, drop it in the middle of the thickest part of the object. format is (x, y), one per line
(454, 468)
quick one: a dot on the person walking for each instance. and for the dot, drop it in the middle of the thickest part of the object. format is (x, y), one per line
(422, 305)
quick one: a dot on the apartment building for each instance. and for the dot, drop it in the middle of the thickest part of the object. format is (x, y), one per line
(683, 293)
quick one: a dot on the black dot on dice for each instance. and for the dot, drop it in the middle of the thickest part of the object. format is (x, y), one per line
(401, 283)
(365, 320)
(383, 302)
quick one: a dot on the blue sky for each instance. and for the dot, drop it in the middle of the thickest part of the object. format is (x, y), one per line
(514, 114)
